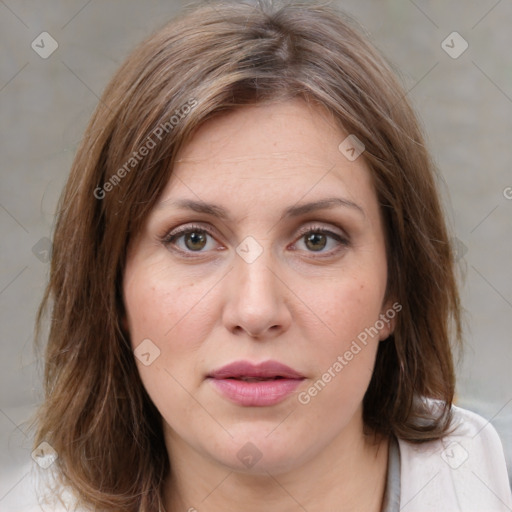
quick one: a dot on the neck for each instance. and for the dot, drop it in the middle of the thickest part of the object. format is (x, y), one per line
(348, 475)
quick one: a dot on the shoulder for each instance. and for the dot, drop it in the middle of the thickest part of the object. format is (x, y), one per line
(465, 471)
(33, 493)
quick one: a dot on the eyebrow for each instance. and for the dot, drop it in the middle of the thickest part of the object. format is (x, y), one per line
(293, 211)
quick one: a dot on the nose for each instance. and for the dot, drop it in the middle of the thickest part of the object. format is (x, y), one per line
(257, 299)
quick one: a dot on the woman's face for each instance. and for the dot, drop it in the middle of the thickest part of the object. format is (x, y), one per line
(266, 246)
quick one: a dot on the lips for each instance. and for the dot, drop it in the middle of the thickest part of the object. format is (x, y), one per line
(260, 385)
(246, 371)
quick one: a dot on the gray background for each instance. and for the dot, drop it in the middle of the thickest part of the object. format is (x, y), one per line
(465, 105)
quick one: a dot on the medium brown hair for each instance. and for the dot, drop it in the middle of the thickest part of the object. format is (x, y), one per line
(214, 59)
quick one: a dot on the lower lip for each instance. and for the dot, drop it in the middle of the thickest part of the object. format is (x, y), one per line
(256, 394)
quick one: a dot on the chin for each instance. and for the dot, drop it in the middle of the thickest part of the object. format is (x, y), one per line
(255, 452)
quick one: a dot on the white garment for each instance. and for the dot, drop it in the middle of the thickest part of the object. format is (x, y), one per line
(463, 472)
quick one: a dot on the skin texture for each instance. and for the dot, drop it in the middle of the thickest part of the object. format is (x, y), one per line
(298, 303)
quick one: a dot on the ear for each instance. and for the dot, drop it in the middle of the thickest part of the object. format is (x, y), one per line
(123, 323)
(387, 318)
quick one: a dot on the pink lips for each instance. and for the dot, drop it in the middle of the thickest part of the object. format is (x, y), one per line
(260, 385)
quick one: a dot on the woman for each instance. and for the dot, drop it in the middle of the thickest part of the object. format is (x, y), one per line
(252, 284)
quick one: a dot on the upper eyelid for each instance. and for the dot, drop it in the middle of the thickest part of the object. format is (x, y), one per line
(318, 227)
(209, 228)
(189, 227)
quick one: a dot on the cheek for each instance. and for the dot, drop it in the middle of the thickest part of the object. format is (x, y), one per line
(159, 306)
(344, 360)
(174, 316)
(349, 308)
(346, 306)
(176, 310)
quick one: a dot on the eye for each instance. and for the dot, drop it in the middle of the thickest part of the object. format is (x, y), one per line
(316, 239)
(197, 239)
(189, 239)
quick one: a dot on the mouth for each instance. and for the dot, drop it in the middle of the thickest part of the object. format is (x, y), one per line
(256, 379)
(249, 372)
(249, 385)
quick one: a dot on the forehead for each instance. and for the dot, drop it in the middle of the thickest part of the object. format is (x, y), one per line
(279, 151)
(286, 132)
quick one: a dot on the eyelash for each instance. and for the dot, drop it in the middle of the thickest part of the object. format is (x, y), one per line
(170, 238)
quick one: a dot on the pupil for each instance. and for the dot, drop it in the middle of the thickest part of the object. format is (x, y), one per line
(197, 240)
(314, 238)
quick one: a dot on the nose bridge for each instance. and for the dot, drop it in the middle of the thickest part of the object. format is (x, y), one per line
(256, 304)
(252, 266)
(255, 279)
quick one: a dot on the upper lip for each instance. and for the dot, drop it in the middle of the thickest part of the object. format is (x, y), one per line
(266, 369)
